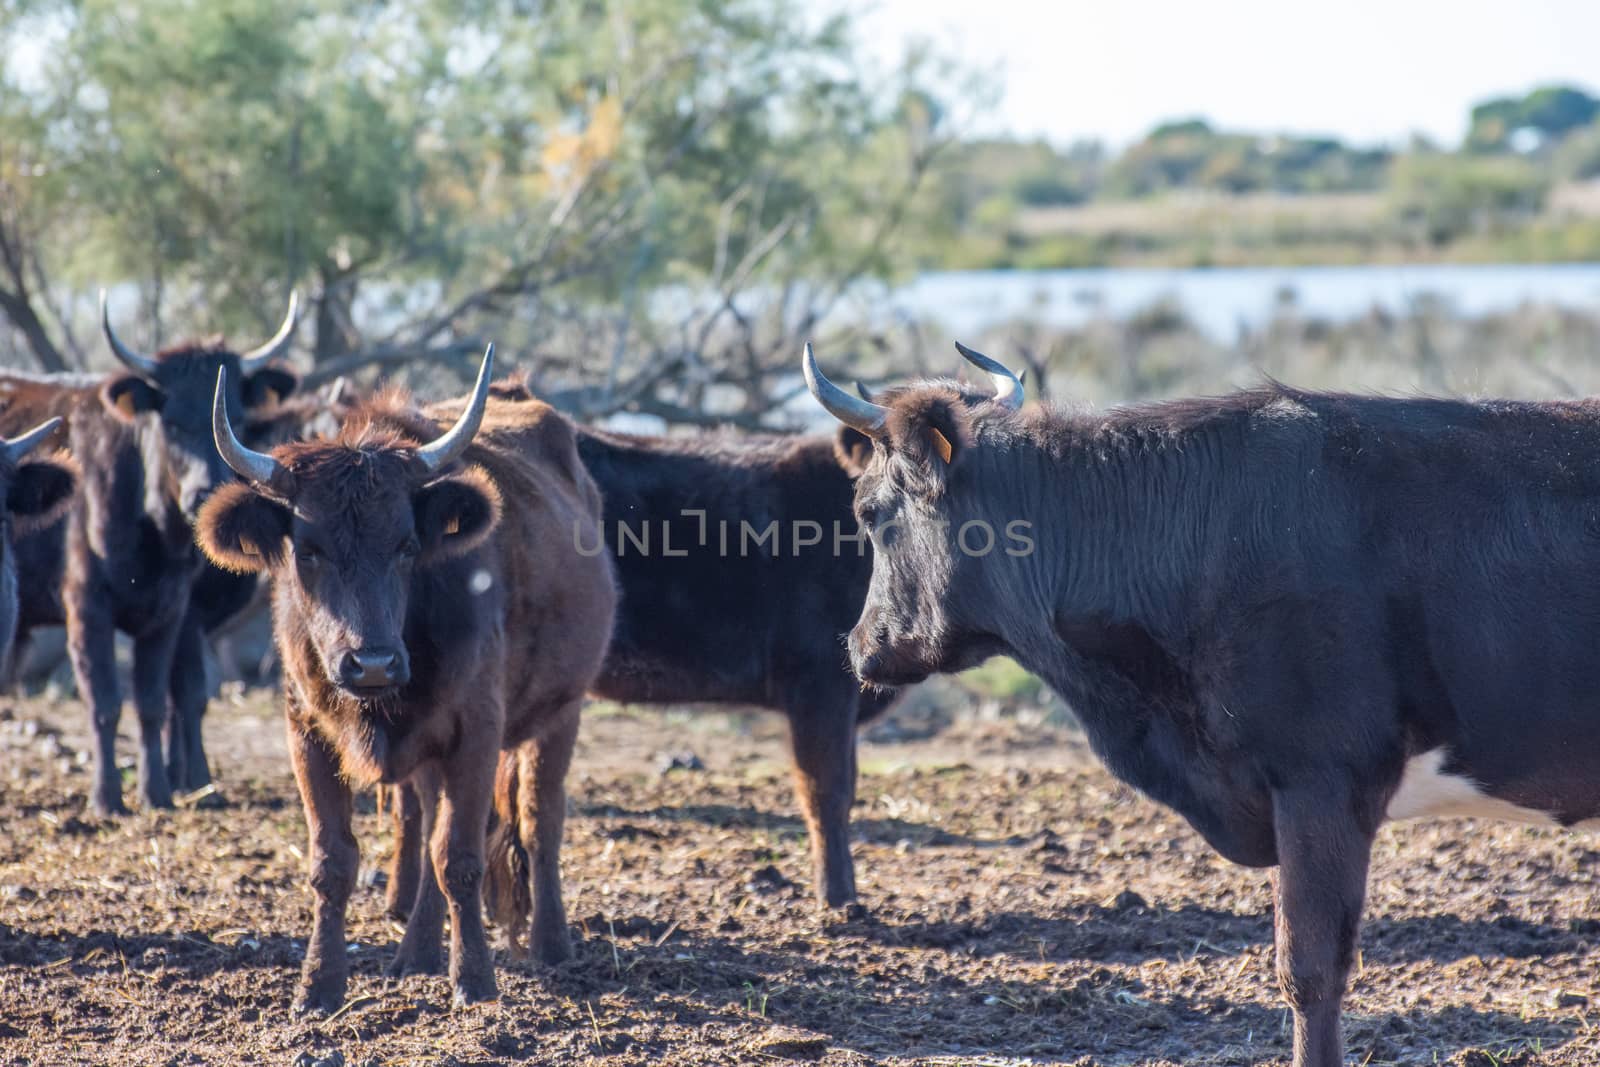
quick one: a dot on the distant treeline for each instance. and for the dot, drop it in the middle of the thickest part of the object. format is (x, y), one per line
(1191, 193)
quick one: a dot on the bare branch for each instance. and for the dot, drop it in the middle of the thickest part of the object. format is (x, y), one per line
(390, 355)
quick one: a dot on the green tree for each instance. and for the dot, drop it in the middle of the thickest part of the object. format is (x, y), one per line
(1444, 197)
(1553, 111)
(656, 197)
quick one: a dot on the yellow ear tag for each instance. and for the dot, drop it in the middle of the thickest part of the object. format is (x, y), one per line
(453, 525)
(941, 444)
(249, 547)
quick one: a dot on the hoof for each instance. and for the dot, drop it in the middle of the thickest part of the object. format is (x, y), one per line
(409, 963)
(475, 990)
(108, 806)
(552, 950)
(317, 1003)
(191, 783)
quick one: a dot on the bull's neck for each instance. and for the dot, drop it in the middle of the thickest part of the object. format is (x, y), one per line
(1121, 530)
(120, 492)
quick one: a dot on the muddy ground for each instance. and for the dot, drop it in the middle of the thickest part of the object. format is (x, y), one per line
(1020, 907)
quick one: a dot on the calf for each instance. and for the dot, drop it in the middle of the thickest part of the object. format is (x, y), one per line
(1288, 615)
(711, 614)
(34, 494)
(125, 558)
(432, 611)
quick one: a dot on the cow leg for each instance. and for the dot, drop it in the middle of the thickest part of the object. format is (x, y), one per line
(186, 752)
(822, 734)
(1322, 873)
(419, 951)
(405, 866)
(333, 862)
(152, 672)
(457, 846)
(541, 820)
(91, 645)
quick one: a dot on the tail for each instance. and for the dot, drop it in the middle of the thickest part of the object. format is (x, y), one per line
(505, 861)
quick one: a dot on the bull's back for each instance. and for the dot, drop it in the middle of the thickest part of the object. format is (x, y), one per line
(720, 602)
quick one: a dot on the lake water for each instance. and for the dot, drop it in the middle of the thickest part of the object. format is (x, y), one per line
(1221, 300)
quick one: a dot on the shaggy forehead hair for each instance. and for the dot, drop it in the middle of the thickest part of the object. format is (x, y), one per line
(374, 451)
(215, 345)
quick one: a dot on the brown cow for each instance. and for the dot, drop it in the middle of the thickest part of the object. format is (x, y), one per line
(753, 624)
(432, 610)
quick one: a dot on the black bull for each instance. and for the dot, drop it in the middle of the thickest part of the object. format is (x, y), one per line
(715, 609)
(1290, 616)
(125, 559)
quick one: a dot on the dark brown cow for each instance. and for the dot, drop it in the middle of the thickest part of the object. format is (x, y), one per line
(432, 610)
(35, 492)
(125, 559)
(1291, 616)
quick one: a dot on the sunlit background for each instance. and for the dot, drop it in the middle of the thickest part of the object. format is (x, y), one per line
(650, 205)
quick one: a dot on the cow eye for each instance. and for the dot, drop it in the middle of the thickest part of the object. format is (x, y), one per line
(307, 556)
(409, 548)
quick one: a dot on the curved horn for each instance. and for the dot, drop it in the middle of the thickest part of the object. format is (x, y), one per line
(258, 357)
(437, 454)
(853, 411)
(863, 392)
(142, 365)
(258, 468)
(1007, 386)
(17, 447)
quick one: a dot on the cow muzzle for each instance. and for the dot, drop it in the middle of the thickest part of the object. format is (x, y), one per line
(373, 670)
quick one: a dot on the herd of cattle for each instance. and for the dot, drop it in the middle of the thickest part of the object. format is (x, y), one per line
(1290, 616)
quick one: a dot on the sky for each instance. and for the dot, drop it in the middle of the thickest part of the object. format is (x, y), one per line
(1365, 70)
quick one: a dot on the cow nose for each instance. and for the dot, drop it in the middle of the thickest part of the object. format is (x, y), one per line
(373, 668)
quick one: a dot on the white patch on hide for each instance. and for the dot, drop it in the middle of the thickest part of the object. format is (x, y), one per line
(1426, 790)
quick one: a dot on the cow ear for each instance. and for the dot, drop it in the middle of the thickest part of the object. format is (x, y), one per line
(931, 431)
(41, 492)
(853, 449)
(267, 387)
(242, 531)
(128, 395)
(456, 514)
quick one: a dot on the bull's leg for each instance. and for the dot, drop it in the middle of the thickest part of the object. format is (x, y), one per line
(152, 671)
(457, 847)
(333, 862)
(1322, 874)
(186, 752)
(823, 735)
(405, 866)
(420, 951)
(541, 820)
(91, 645)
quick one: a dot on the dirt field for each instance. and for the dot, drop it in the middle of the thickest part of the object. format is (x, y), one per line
(1019, 907)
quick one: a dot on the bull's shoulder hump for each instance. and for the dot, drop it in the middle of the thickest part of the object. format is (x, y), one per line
(526, 431)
